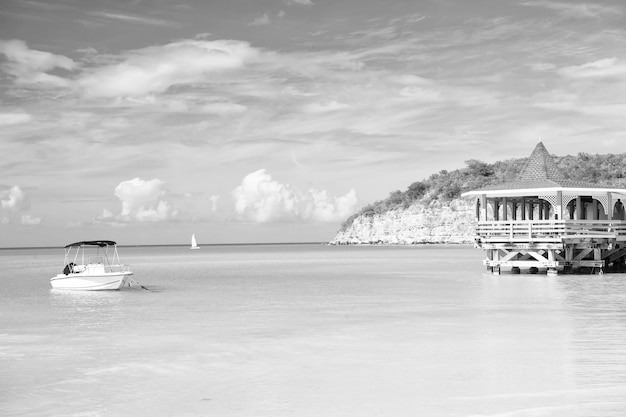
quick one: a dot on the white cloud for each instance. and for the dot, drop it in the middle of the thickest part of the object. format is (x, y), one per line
(13, 199)
(131, 18)
(155, 69)
(325, 107)
(222, 108)
(542, 66)
(176, 105)
(261, 199)
(325, 208)
(566, 101)
(13, 207)
(290, 90)
(143, 201)
(579, 11)
(557, 100)
(409, 79)
(18, 52)
(214, 199)
(420, 94)
(607, 67)
(7, 119)
(300, 2)
(261, 20)
(30, 66)
(29, 220)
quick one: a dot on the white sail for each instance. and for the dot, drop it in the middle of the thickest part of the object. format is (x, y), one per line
(194, 244)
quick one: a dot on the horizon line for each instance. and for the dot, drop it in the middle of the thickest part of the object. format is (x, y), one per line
(179, 244)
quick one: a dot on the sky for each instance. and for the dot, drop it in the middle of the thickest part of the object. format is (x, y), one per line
(250, 121)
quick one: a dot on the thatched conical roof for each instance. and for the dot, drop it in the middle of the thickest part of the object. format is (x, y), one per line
(541, 166)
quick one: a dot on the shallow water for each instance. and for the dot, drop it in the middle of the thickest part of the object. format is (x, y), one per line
(310, 330)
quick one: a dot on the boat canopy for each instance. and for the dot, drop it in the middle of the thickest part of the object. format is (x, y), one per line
(100, 243)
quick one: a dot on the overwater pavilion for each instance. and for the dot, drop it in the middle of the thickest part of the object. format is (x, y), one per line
(543, 220)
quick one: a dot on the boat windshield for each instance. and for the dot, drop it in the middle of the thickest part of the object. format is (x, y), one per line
(92, 252)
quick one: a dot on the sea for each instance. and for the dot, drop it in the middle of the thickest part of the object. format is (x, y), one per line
(310, 330)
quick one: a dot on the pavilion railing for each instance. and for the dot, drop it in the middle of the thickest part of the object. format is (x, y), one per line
(550, 230)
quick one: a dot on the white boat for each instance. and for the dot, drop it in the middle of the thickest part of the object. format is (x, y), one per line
(92, 265)
(194, 244)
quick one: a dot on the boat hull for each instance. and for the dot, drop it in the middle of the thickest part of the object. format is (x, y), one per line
(91, 282)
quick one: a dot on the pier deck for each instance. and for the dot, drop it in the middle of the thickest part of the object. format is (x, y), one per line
(556, 245)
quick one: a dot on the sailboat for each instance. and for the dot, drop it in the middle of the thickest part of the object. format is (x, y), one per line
(194, 244)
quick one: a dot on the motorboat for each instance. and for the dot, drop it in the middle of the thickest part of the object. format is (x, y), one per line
(194, 244)
(92, 265)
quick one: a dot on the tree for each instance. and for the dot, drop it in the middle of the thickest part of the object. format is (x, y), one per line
(479, 168)
(416, 190)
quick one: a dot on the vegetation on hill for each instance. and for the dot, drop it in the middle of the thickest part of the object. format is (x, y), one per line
(609, 170)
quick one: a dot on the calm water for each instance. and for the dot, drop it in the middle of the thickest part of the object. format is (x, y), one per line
(310, 330)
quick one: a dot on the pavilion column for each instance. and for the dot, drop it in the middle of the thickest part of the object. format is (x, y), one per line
(523, 214)
(478, 209)
(609, 209)
(514, 210)
(540, 210)
(531, 210)
(496, 209)
(505, 207)
(484, 206)
(558, 210)
(579, 208)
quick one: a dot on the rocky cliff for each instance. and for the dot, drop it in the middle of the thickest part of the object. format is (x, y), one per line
(437, 222)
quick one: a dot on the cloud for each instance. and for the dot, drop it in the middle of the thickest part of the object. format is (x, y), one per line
(14, 205)
(421, 94)
(300, 2)
(587, 89)
(566, 101)
(13, 199)
(29, 66)
(143, 202)
(261, 20)
(7, 119)
(18, 52)
(324, 107)
(579, 11)
(214, 200)
(290, 90)
(29, 220)
(557, 100)
(134, 19)
(156, 68)
(542, 66)
(261, 199)
(222, 108)
(607, 67)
